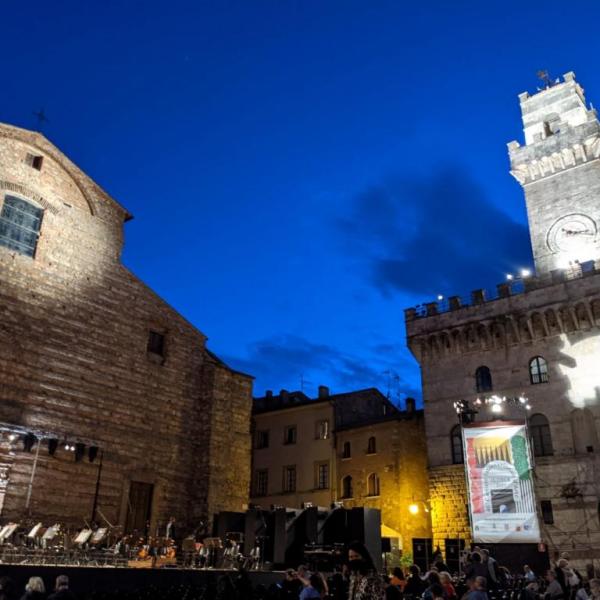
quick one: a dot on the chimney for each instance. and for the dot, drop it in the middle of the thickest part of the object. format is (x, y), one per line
(323, 391)
(410, 406)
(284, 396)
(269, 394)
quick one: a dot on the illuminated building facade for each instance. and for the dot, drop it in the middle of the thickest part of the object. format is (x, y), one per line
(536, 336)
(356, 448)
(95, 365)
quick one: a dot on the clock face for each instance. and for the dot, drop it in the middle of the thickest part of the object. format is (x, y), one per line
(574, 234)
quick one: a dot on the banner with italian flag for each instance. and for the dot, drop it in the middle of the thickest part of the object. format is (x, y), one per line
(499, 476)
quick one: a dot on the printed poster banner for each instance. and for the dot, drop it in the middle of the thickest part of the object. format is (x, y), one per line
(500, 481)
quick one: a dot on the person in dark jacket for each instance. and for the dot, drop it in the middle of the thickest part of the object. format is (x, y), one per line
(7, 589)
(35, 589)
(415, 586)
(62, 589)
(476, 568)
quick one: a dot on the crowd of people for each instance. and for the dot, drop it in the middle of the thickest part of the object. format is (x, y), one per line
(480, 577)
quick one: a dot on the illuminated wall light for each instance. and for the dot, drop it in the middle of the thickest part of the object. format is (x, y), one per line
(413, 509)
(12, 437)
(496, 408)
(525, 273)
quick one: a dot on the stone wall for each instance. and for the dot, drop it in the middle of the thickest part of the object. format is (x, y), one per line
(449, 510)
(74, 365)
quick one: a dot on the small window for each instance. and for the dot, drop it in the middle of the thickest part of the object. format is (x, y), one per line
(539, 429)
(538, 370)
(322, 429)
(322, 475)
(547, 512)
(347, 490)
(35, 161)
(373, 485)
(261, 482)
(289, 478)
(289, 435)
(372, 446)
(156, 343)
(347, 450)
(456, 445)
(20, 223)
(262, 439)
(483, 379)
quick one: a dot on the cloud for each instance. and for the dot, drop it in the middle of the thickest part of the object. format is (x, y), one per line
(286, 359)
(436, 234)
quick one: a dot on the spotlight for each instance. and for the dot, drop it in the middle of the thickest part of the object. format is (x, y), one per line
(525, 273)
(413, 509)
(92, 453)
(28, 441)
(509, 277)
(12, 437)
(528, 407)
(496, 408)
(79, 451)
(67, 447)
(440, 297)
(52, 446)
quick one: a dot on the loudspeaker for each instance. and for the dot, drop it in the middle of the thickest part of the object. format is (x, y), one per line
(453, 547)
(422, 552)
(277, 533)
(386, 544)
(227, 521)
(334, 528)
(255, 525)
(364, 525)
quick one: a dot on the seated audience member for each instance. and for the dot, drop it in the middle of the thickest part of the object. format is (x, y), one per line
(34, 590)
(62, 589)
(554, 591)
(449, 589)
(478, 589)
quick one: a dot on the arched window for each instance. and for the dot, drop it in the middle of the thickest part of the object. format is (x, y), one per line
(483, 379)
(373, 485)
(347, 487)
(539, 428)
(456, 445)
(371, 446)
(20, 223)
(538, 370)
(347, 450)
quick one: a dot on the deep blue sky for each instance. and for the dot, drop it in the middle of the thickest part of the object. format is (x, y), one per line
(300, 172)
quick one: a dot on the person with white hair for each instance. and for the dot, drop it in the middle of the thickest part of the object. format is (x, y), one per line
(35, 589)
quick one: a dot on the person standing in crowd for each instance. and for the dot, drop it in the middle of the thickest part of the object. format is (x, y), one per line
(438, 561)
(554, 590)
(594, 589)
(477, 589)
(491, 569)
(35, 589)
(398, 578)
(414, 584)
(437, 592)
(433, 578)
(476, 568)
(448, 586)
(392, 592)
(291, 586)
(62, 589)
(7, 589)
(365, 583)
(170, 532)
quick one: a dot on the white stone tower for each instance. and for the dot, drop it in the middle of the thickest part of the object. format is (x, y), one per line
(559, 170)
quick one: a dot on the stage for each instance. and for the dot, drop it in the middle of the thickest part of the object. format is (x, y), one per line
(84, 580)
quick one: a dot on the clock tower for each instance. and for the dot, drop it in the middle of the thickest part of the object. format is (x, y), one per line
(559, 169)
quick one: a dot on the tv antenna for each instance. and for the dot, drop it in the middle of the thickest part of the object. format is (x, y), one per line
(41, 119)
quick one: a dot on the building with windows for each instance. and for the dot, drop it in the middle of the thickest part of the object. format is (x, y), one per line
(536, 337)
(110, 402)
(356, 448)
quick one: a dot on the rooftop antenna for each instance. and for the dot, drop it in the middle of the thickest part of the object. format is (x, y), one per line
(303, 382)
(41, 119)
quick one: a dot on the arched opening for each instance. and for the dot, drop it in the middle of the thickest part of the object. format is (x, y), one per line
(347, 487)
(538, 370)
(372, 445)
(539, 429)
(20, 222)
(483, 379)
(456, 445)
(346, 450)
(373, 485)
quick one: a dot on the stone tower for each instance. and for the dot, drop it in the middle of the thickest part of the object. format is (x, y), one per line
(559, 170)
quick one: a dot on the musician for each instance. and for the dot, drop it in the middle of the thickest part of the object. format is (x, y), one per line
(170, 532)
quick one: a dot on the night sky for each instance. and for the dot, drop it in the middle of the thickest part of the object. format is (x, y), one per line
(300, 172)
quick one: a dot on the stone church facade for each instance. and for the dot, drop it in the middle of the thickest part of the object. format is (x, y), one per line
(110, 403)
(536, 336)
